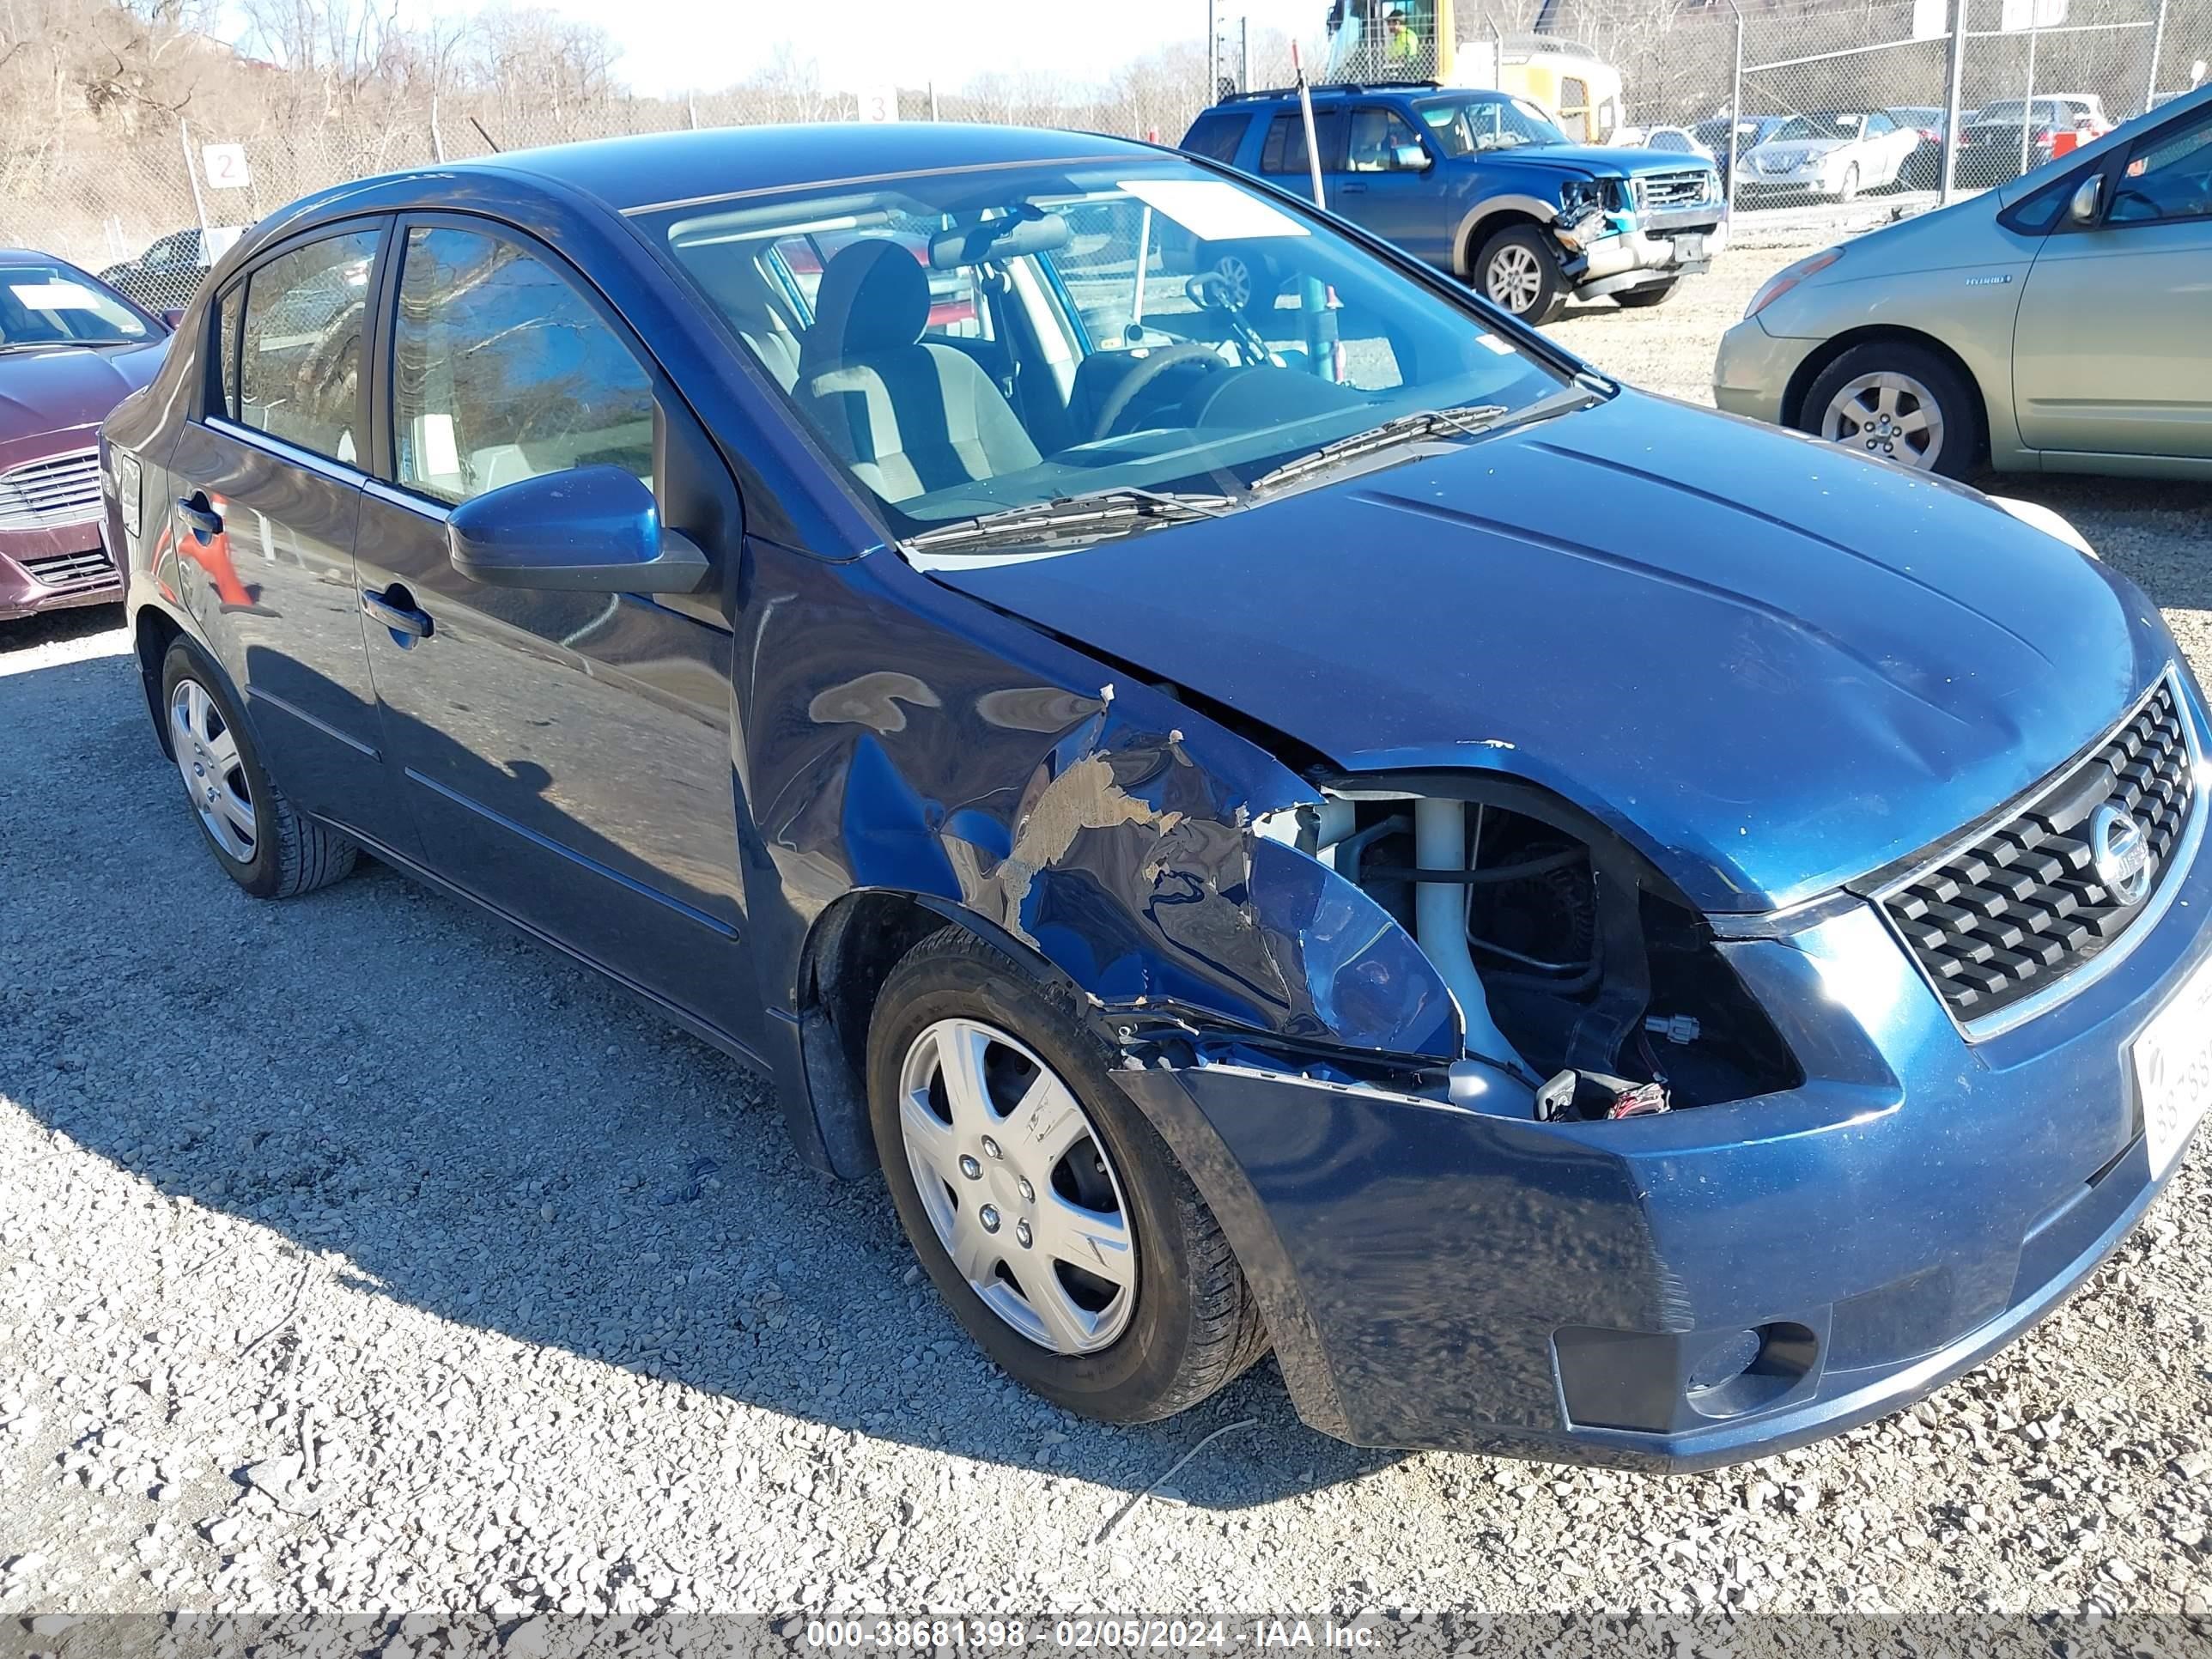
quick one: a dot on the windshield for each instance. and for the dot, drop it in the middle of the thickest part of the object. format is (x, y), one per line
(972, 343)
(1822, 126)
(54, 305)
(1461, 126)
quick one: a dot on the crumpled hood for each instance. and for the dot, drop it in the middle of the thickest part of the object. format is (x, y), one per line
(1772, 666)
(43, 392)
(1588, 160)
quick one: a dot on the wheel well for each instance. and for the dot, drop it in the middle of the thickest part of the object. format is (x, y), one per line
(1484, 228)
(156, 631)
(1816, 364)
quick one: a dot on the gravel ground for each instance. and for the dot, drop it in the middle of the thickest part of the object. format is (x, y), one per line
(356, 1253)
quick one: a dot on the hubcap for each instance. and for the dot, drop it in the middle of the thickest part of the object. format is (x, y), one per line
(1514, 279)
(1889, 414)
(214, 778)
(994, 1137)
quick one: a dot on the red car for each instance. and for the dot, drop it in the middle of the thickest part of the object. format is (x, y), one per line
(70, 349)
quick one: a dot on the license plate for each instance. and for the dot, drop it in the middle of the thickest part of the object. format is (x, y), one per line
(2173, 1068)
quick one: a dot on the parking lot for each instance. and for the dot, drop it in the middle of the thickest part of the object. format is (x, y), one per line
(357, 1252)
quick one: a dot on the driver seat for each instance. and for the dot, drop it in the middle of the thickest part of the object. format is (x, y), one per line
(909, 416)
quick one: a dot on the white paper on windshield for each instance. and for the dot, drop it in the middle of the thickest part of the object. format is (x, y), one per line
(54, 296)
(1502, 348)
(1211, 208)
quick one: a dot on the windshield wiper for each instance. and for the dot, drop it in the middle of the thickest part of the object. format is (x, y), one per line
(1468, 421)
(1095, 513)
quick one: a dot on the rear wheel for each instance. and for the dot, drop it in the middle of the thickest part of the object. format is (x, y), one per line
(1517, 270)
(1636, 299)
(1897, 402)
(261, 841)
(1048, 1212)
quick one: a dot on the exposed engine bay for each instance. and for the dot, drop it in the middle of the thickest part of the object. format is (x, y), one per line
(1572, 966)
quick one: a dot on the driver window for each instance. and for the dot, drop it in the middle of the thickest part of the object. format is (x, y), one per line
(1382, 142)
(501, 372)
(2168, 176)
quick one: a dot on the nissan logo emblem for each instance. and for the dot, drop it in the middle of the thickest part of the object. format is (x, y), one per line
(2119, 854)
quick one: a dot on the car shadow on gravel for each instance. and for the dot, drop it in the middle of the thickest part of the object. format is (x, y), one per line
(455, 1119)
(2153, 531)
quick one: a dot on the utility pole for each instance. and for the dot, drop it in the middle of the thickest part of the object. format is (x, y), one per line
(1957, 79)
(192, 176)
(1212, 48)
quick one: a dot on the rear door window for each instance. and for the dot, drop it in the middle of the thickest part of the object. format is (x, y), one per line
(1285, 150)
(303, 343)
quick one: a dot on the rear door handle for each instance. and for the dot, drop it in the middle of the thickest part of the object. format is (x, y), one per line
(399, 617)
(197, 516)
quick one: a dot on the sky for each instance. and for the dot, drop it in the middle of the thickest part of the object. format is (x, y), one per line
(676, 45)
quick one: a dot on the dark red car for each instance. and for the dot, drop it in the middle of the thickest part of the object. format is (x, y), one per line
(70, 349)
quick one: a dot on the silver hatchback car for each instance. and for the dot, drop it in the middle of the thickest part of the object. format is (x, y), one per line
(2059, 323)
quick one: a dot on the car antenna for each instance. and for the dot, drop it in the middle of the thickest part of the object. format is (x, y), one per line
(481, 134)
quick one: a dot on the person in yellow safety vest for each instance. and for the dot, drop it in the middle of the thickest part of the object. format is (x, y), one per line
(1402, 47)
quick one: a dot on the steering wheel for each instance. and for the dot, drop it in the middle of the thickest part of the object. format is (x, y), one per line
(1149, 370)
(1210, 291)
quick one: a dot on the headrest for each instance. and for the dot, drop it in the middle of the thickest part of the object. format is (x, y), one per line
(874, 297)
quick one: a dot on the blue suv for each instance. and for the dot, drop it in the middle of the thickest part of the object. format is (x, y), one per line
(1481, 185)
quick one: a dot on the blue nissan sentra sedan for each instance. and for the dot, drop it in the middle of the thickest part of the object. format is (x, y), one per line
(1594, 930)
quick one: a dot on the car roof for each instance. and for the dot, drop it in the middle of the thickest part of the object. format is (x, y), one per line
(648, 169)
(29, 254)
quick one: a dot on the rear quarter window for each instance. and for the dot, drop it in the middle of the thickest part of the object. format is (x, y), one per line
(1217, 136)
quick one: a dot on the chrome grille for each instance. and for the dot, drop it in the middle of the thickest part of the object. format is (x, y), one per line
(2023, 905)
(72, 570)
(51, 495)
(1692, 187)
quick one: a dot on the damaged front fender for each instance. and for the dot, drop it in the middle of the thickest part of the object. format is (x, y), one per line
(1100, 822)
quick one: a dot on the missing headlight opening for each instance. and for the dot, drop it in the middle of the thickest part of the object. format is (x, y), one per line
(1574, 970)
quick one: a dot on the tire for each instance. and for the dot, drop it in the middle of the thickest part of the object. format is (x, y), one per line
(1517, 272)
(1847, 402)
(1184, 1325)
(1849, 190)
(259, 838)
(1249, 283)
(1641, 299)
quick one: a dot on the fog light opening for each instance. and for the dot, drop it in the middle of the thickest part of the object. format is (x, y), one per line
(1750, 1371)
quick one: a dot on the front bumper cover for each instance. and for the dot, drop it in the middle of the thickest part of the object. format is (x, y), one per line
(1441, 1276)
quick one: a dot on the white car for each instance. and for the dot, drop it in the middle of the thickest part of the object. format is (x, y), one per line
(1679, 140)
(1835, 155)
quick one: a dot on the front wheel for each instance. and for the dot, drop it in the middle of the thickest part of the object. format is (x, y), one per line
(1048, 1212)
(1637, 299)
(1518, 271)
(1897, 402)
(1849, 190)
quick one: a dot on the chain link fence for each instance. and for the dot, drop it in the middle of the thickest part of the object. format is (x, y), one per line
(1826, 103)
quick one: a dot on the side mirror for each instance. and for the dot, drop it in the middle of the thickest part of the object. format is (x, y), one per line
(1410, 158)
(2088, 200)
(588, 530)
(173, 319)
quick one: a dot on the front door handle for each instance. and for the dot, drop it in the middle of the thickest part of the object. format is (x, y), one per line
(197, 516)
(395, 609)
(1352, 190)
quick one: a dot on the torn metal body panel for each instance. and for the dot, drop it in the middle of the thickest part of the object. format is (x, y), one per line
(1106, 828)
